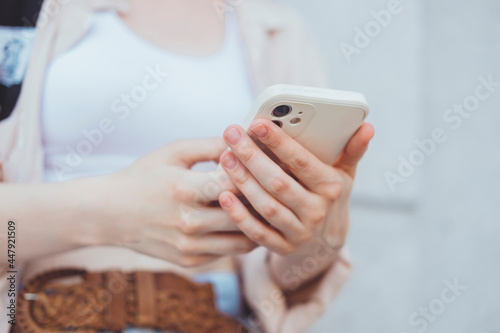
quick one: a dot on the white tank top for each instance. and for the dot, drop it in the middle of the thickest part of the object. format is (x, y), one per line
(114, 97)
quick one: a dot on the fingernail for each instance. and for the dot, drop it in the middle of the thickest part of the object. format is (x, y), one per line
(229, 161)
(226, 201)
(233, 136)
(259, 130)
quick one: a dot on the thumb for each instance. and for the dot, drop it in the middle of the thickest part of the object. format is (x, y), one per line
(186, 153)
(355, 149)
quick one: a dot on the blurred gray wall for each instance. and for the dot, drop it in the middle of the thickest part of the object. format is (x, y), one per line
(441, 225)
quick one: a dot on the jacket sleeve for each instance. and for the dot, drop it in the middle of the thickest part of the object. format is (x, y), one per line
(4, 324)
(73, 18)
(275, 311)
(293, 312)
(7, 135)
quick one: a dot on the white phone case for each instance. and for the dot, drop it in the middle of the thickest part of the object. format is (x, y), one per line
(322, 120)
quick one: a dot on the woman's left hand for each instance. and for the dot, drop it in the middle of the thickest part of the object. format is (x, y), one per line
(297, 212)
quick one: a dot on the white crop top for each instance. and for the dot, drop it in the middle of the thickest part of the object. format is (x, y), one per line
(114, 97)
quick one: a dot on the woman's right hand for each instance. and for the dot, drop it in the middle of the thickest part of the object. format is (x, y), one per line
(159, 207)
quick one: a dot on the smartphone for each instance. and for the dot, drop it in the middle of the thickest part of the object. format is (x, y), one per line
(321, 120)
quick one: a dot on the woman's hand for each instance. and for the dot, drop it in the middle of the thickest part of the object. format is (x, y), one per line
(158, 206)
(297, 212)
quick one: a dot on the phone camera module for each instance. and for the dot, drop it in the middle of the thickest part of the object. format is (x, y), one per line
(281, 111)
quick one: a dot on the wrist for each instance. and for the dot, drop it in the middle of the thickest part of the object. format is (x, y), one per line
(105, 213)
(292, 271)
(85, 206)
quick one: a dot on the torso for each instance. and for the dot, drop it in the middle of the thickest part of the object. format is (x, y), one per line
(127, 97)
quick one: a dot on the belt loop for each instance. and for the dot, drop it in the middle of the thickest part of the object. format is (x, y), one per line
(115, 317)
(146, 300)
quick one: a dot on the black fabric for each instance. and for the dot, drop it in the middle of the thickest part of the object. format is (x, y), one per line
(15, 13)
(19, 13)
(8, 99)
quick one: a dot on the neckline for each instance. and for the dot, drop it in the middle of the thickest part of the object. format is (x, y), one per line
(228, 34)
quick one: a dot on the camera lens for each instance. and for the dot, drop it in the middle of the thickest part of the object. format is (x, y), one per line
(278, 123)
(281, 111)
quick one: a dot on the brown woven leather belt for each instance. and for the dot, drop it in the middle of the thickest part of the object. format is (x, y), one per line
(81, 301)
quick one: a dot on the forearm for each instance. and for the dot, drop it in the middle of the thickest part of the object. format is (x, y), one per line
(49, 217)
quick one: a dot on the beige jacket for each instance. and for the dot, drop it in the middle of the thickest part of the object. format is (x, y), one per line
(278, 51)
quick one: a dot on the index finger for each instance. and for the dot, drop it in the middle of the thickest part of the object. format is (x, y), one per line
(301, 162)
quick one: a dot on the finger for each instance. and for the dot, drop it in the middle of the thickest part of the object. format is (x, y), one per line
(206, 220)
(211, 244)
(273, 211)
(186, 153)
(207, 186)
(223, 244)
(355, 149)
(302, 163)
(253, 228)
(160, 249)
(269, 174)
(202, 188)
